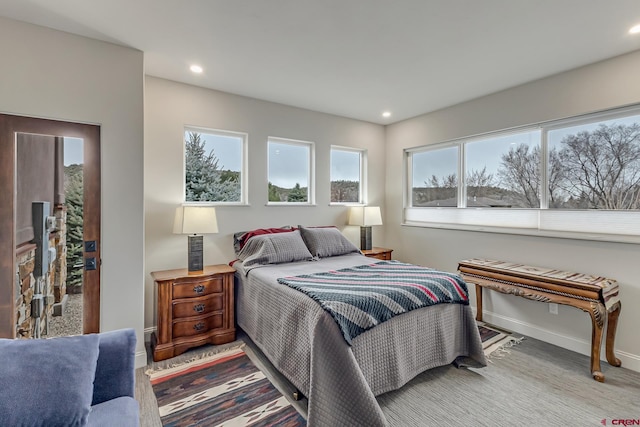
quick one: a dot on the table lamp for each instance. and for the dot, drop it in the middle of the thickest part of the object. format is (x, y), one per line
(195, 221)
(365, 217)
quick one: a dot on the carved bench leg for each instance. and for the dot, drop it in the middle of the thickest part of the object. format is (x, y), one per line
(478, 303)
(612, 324)
(597, 313)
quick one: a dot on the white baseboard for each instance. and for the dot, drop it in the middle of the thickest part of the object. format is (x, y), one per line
(141, 359)
(629, 361)
(141, 356)
(148, 332)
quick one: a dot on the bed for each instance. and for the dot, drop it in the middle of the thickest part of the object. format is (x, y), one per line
(304, 342)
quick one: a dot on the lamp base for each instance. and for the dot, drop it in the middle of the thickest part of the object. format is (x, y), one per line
(196, 254)
(365, 238)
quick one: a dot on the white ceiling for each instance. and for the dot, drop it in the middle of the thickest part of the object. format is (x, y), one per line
(353, 58)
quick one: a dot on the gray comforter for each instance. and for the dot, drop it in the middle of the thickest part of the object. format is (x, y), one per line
(341, 381)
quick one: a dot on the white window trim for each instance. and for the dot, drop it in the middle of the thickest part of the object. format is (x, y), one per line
(244, 165)
(363, 176)
(621, 226)
(311, 196)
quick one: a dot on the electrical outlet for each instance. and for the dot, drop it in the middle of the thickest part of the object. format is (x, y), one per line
(553, 308)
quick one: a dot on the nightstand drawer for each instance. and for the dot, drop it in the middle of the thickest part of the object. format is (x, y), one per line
(197, 306)
(202, 324)
(197, 288)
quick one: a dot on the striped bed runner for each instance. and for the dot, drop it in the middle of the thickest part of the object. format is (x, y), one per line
(362, 297)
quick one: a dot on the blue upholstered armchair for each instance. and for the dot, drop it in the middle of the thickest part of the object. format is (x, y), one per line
(85, 380)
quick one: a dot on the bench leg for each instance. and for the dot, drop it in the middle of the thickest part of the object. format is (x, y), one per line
(597, 313)
(612, 324)
(478, 303)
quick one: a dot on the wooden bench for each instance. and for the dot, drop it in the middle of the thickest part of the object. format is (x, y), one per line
(597, 296)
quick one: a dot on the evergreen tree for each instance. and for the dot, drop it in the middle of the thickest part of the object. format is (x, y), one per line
(297, 194)
(74, 192)
(273, 193)
(204, 178)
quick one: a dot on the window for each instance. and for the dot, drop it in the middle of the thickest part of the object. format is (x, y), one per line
(503, 171)
(347, 175)
(290, 171)
(435, 177)
(579, 175)
(215, 166)
(595, 165)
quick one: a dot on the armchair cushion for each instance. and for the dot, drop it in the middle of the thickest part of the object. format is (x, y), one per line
(121, 412)
(47, 382)
(115, 369)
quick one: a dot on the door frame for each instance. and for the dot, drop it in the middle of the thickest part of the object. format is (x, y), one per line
(10, 125)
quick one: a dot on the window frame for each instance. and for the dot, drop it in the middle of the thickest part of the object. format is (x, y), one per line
(311, 201)
(362, 188)
(244, 166)
(583, 224)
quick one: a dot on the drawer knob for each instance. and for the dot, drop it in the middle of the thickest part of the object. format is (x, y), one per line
(198, 326)
(198, 308)
(198, 289)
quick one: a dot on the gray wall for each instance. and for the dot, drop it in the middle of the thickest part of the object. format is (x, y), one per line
(169, 106)
(603, 85)
(56, 75)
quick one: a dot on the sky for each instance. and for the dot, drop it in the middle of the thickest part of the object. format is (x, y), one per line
(345, 165)
(73, 153)
(288, 164)
(555, 136)
(488, 152)
(228, 149)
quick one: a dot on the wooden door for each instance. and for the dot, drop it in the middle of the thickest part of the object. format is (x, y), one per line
(10, 126)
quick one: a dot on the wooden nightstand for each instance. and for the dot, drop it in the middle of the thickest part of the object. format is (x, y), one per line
(380, 253)
(193, 309)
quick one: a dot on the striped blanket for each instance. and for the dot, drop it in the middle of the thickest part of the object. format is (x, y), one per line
(364, 296)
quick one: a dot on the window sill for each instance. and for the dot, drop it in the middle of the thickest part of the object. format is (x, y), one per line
(215, 204)
(346, 204)
(292, 204)
(597, 237)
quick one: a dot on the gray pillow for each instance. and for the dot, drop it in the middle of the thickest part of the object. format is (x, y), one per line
(274, 249)
(240, 237)
(326, 241)
(47, 382)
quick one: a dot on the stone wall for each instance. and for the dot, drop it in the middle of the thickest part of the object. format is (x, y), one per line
(60, 281)
(24, 290)
(53, 284)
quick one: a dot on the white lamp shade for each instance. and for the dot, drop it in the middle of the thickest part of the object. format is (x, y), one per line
(195, 220)
(365, 216)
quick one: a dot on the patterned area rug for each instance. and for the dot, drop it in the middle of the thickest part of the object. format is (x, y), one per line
(496, 342)
(225, 389)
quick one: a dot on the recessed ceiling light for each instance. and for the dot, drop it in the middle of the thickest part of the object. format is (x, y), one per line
(196, 69)
(386, 114)
(635, 29)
